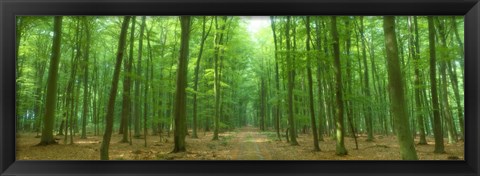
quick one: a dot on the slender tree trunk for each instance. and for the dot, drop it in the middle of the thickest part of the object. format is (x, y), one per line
(277, 81)
(95, 96)
(197, 68)
(20, 23)
(415, 49)
(368, 114)
(461, 48)
(104, 155)
(140, 53)
(349, 84)
(340, 146)
(262, 103)
(218, 42)
(453, 78)
(51, 100)
(451, 131)
(126, 104)
(38, 110)
(180, 95)
(136, 106)
(316, 147)
(85, 79)
(437, 124)
(395, 82)
(321, 100)
(71, 90)
(290, 75)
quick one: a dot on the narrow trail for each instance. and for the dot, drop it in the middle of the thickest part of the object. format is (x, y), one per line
(251, 145)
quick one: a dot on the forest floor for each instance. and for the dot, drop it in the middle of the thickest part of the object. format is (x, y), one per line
(246, 143)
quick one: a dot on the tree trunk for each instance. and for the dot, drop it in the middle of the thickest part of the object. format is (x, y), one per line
(277, 81)
(415, 49)
(113, 92)
(180, 95)
(262, 103)
(136, 106)
(51, 100)
(197, 67)
(451, 131)
(126, 104)
(396, 86)
(316, 147)
(290, 74)
(461, 48)
(140, 51)
(85, 79)
(368, 114)
(349, 103)
(340, 146)
(321, 100)
(437, 124)
(453, 78)
(216, 84)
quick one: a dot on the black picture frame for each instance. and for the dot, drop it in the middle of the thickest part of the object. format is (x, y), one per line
(10, 8)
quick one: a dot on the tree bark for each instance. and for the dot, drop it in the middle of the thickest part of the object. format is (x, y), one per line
(51, 100)
(397, 95)
(316, 146)
(415, 49)
(197, 68)
(140, 54)
(86, 99)
(321, 99)
(277, 81)
(216, 86)
(437, 124)
(126, 103)
(340, 146)
(104, 155)
(180, 107)
(451, 131)
(290, 75)
(368, 115)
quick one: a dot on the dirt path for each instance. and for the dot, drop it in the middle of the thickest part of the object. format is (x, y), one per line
(251, 145)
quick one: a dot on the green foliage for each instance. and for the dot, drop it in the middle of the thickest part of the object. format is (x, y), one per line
(247, 57)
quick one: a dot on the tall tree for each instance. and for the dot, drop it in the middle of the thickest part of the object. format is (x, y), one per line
(180, 107)
(349, 103)
(396, 91)
(368, 114)
(219, 32)
(290, 83)
(316, 147)
(321, 100)
(197, 67)
(451, 131)
(126, 104)
(453, 77)
(104, 155)
(51, 100)
(340, 146)
(437, 124)
(277, 80)
(86, 100)
(145, 105)
(136, 106)
(415, 50)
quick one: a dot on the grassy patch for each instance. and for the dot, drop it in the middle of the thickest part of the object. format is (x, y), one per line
(271, 135)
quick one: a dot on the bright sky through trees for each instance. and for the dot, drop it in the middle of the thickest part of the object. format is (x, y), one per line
(256, 23)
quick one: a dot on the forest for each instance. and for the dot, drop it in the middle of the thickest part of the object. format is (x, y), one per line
(239, 88)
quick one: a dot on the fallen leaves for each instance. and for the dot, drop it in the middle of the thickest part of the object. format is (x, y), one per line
(230, 146)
